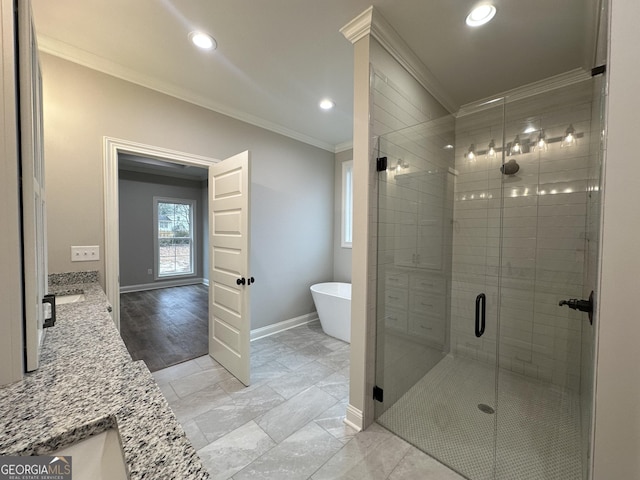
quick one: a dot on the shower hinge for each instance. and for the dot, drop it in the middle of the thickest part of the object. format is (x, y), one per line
(377, 394)
(381, 164)
(598, 70)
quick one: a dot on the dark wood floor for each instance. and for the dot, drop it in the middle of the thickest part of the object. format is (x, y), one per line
(165, 326)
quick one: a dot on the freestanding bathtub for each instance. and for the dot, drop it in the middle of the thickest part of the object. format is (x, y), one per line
(333, 303)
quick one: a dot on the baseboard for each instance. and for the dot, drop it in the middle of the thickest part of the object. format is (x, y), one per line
(164, 284)
(282, 326)
(354, 418)
(205, 281)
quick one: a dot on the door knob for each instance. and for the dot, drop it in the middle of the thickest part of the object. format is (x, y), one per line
(580, 305)
(240, 281)
(251, 280)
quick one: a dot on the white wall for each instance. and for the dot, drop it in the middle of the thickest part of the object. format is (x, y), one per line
(292, 187)
(617, 406)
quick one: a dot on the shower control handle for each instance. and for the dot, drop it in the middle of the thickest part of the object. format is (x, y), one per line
(580, 305)
(575, 304)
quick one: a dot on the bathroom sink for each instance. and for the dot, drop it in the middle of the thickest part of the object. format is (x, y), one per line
(74, 298)
(98, 457)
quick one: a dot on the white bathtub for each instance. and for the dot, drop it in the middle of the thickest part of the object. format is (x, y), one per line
(333, 303)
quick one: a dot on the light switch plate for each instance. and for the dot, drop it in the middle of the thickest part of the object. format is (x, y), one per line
(89, 253)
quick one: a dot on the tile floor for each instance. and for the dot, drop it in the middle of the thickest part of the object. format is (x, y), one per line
(289, 423)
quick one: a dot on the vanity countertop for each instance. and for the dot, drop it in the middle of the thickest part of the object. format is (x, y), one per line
(87, 383)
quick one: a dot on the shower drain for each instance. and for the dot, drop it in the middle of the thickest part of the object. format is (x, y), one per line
(485, 408)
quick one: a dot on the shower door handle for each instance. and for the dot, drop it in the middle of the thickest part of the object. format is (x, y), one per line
(481, 314)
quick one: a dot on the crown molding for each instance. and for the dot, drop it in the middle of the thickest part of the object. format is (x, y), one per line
(81, 57)
(359, 27)
(566, 79)
(344, 146)
(371, 22)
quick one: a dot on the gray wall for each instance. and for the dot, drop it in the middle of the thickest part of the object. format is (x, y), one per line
(341, 255)
(136, 192)
(291, 235)
(292, 214)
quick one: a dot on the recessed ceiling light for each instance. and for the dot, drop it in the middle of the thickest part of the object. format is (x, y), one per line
(203, 40)
(448, 147)
(327, 104)
(480, 15)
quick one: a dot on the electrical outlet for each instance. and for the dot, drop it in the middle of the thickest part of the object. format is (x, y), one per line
(150, 272)
(85, 254)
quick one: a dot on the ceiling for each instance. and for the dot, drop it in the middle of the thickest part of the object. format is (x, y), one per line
(154, 166)
(277, 59)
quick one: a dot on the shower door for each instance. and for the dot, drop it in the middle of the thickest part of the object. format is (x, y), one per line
(487, 253)
(549, 255)
(436, 317)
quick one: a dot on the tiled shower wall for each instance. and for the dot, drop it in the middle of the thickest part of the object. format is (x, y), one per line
(529, 228)
(526, 231)
(411, 207)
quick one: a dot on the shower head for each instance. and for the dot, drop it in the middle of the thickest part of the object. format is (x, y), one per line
(510, 168)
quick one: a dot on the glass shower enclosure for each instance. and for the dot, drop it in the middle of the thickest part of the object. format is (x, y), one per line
(487, 222)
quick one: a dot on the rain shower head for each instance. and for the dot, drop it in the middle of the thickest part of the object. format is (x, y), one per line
(510, 168)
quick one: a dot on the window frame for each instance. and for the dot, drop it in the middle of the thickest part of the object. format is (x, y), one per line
(346, 231)
(156, 245)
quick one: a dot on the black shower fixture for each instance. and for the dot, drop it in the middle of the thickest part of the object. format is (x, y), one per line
(510, 168)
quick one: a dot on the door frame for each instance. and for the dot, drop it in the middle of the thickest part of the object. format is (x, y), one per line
(112, 147)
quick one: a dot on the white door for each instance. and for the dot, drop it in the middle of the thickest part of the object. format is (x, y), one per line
(229, 274)
(33, 193)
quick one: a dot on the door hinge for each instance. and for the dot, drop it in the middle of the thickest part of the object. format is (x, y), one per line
(381, 164)
(378, 394)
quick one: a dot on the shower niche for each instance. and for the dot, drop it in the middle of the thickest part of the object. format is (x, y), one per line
(501, 202)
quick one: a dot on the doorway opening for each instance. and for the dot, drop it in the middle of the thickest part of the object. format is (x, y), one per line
(229, 235)
(136, 171)
(163, 231)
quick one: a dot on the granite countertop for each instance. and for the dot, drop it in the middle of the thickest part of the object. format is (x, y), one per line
(86, 384)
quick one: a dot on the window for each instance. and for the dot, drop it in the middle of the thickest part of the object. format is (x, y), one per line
(174, 237)
(347, 203)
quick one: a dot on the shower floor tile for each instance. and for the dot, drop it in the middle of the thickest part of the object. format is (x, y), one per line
(537, 424)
